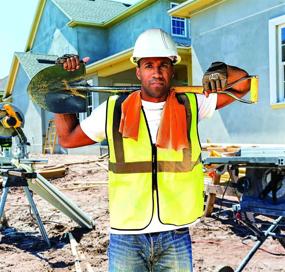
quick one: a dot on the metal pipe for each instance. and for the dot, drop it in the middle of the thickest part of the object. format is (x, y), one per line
(258, 244)
(5, 191)
(37, 215)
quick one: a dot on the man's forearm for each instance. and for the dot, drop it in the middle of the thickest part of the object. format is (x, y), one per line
(65, 124)
(236, 74)
(69, 132)
(239, 90)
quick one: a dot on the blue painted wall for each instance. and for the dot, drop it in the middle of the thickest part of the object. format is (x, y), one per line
(236, 32)
(124, 34)
(52, 19)
(99, 43)
(20, 87)
(88, 41)
(94, 42)
(32, 113)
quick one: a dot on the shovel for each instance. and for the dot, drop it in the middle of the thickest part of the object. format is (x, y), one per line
(60, 91)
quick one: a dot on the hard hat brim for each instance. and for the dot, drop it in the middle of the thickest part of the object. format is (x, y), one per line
(175, 59)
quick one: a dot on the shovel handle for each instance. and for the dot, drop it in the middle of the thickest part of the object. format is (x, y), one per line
(200, 90)
(177, 89)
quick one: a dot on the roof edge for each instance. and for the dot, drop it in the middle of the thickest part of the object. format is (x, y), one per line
(124, 54)
(12, 77)
(73, 23)
(110, 60)
(131, 10)
(190, 7)
(35, 25)
(120, 59)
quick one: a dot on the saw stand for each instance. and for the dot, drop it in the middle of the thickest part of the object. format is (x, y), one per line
(261, 236)
(17, 177)
(262, 190)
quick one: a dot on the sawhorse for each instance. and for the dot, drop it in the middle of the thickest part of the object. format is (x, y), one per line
(16, 178)
(261, 237)
(260, 240)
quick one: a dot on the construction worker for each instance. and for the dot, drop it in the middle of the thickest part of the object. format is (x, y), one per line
(155, 171)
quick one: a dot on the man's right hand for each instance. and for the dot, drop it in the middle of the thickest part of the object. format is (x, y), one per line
(71, 62)
(215, 78)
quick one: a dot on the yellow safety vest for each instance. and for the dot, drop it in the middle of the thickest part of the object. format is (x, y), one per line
(138, 168)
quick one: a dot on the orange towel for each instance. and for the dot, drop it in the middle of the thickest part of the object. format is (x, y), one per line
(172, 131)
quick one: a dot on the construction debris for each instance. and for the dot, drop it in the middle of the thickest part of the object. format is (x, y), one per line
(53, 172)
(215, 242)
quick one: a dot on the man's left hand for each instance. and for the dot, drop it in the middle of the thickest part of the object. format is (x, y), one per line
(215, 78)
(71, 62)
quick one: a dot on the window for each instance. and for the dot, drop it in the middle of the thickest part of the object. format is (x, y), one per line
(92, 100)
(277, 61)
(281, 62)
(178, 25)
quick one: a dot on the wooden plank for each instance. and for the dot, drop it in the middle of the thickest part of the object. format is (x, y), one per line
(50, 138)
(104, 156)
(219, 190)
(102, 165)
(84, 187)
(83, 162)
(211, 198)
(73, 245)
(80, 258)
(52, 173)
(91, 182)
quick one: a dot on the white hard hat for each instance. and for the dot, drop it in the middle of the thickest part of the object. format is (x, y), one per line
(155, 43)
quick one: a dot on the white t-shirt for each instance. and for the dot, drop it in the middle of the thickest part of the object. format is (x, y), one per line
(94, 127)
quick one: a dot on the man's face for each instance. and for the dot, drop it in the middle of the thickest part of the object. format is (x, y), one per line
(155, 75)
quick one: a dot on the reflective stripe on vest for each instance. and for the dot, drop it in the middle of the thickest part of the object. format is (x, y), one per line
(135, 167)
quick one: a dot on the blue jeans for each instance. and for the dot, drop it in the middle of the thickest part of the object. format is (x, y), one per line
(168, 251)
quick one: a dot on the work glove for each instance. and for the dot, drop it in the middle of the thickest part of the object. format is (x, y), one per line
(65, 57)
(215, 78)
(70, 62)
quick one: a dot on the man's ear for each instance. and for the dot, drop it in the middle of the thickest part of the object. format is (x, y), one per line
(138, 73)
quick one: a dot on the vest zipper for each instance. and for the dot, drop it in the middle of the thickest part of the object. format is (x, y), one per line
(154, 157)
(154, 167)
(154, 164)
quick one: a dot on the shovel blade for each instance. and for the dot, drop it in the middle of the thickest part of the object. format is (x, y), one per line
(48, 89)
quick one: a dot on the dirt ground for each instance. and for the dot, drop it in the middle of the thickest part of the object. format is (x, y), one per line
(216, 241)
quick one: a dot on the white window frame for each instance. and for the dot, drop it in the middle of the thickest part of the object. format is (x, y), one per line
(276, 72)
(172, 5)
(94, 100)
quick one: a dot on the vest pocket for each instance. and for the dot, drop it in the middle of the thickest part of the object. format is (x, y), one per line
(130, 201)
